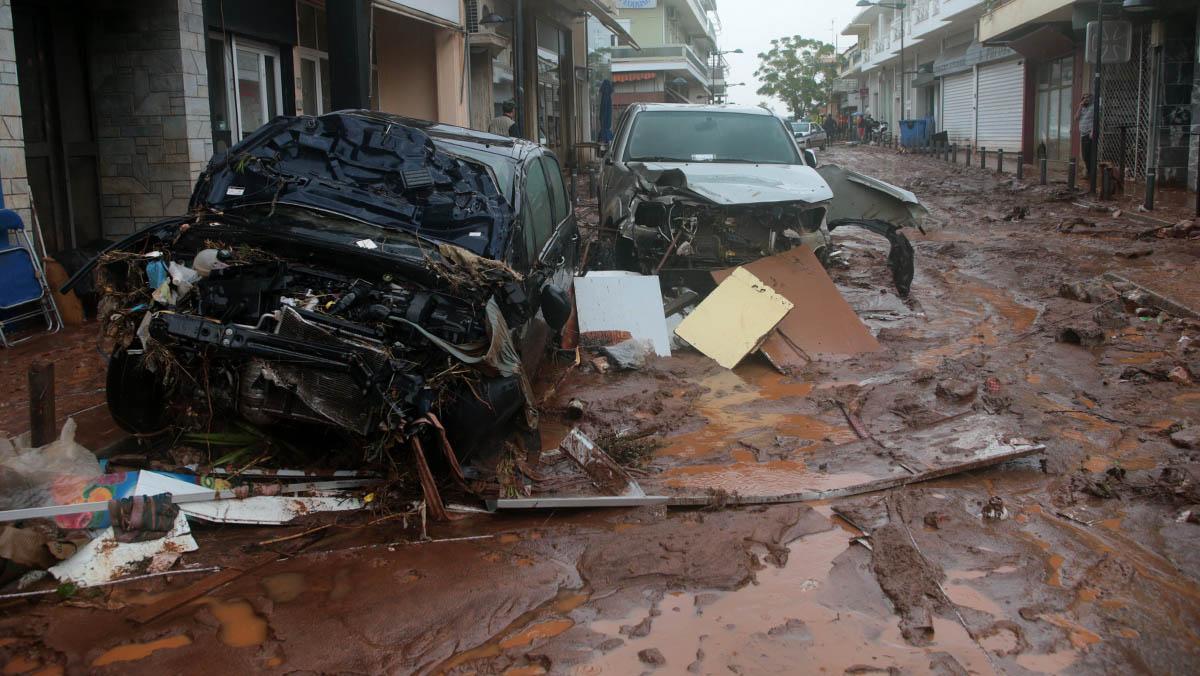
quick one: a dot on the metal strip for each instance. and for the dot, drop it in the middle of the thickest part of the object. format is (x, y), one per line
(581, 502)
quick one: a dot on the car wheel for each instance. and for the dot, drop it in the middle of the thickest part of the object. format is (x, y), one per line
(136, 396)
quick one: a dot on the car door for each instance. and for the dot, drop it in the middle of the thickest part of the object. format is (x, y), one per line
(614, 176)
(559, 251)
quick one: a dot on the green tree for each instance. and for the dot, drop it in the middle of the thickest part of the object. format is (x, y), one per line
(799, 72)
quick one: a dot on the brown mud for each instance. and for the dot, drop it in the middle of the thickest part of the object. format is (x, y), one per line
(1091, 568)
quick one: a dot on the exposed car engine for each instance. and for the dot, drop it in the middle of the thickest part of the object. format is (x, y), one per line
(276, 340)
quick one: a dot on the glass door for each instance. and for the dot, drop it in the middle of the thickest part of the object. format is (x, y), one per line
(1053, 109)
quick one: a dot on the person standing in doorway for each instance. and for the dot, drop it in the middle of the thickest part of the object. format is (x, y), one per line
(1084, 120)
(503, 125)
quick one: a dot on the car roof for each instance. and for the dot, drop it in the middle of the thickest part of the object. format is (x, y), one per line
(515, 149)
(715, 108)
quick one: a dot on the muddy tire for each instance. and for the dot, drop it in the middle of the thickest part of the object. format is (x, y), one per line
(136, 396)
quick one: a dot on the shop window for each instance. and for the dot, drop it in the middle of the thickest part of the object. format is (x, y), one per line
(1053, 109)
(249, 94)
(314, 60)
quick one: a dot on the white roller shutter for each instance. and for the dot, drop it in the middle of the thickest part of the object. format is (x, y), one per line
(958, 107)
(1001, 105)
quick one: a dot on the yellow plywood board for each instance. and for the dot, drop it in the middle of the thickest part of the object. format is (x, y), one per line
(735, 317)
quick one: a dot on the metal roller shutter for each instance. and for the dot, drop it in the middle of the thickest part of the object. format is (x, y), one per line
(958, 107)
(1001, 105)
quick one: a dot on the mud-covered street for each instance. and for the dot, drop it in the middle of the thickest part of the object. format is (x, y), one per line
(1081, 558)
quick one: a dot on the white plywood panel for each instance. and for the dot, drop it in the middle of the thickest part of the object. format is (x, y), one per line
(623, 301)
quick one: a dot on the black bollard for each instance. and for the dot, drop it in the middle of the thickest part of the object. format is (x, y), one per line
(1043, 165)
(983, 157)
(1000, 161)
(1151, 179)
(1071, 174)
(1020, 166)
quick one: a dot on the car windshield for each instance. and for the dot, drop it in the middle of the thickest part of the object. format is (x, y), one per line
(708, 136)
(800, 127)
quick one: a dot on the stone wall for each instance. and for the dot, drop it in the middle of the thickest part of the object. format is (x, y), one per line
(150, 92)
(12, 138)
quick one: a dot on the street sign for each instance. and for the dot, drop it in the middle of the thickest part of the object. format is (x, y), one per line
(1117, 46)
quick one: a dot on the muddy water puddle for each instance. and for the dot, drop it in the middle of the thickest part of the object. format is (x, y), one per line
(794, 615)
(241, 625)
(541, 623)
(131, 652)
(753, 398)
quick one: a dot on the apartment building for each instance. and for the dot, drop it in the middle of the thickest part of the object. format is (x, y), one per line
(678, 60)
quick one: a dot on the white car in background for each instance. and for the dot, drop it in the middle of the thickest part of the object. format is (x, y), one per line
(809, 134)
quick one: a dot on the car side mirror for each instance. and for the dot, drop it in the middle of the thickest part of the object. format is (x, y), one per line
(810, 158)
(556, 306)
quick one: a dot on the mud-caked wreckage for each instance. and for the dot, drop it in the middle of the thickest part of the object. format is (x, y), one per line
(363, 281)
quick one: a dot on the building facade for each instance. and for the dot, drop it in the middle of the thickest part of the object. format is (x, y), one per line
(112, 108)
(1150, 91)
(678, 61)
(1009, 75)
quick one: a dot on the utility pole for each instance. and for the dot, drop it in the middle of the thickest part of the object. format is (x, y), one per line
(1097, 84)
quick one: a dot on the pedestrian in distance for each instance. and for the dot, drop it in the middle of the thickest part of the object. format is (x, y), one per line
(1084, 120)
(503, 125)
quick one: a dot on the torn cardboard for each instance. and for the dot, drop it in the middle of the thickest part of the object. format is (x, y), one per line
(821, 322)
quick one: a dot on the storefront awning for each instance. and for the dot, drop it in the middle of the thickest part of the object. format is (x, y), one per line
(602, 15)
(959, 60)
(924, 80)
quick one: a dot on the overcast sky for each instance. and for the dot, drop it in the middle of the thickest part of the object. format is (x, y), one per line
(752, 24)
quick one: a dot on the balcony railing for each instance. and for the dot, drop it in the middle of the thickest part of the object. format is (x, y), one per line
(669, 52)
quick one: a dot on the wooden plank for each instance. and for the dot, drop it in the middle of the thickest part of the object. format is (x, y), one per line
(190, 593)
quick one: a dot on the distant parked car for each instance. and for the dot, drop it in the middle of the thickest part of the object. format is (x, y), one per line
(809, 135)
(694, 188)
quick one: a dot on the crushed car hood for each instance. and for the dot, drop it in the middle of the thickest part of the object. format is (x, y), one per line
(366, 167)
(863, 197)
(741, 183)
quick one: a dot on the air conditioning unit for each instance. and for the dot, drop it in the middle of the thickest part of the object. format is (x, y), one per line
(472, 7)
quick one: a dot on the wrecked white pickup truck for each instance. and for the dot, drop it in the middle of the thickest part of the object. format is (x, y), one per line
(694, 188)
(354, 280)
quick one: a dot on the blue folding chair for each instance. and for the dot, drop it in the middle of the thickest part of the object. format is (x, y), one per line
(23, 290)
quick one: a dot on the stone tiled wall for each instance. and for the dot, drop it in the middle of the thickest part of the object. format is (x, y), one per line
(12, 139)
(150, 92)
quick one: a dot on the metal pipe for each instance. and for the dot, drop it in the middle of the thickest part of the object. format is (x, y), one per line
(518, 51)
(1043, 166)
(1000, 161)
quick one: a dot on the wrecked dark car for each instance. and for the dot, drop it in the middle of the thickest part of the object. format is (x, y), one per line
(695, 188)
(356, 279)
